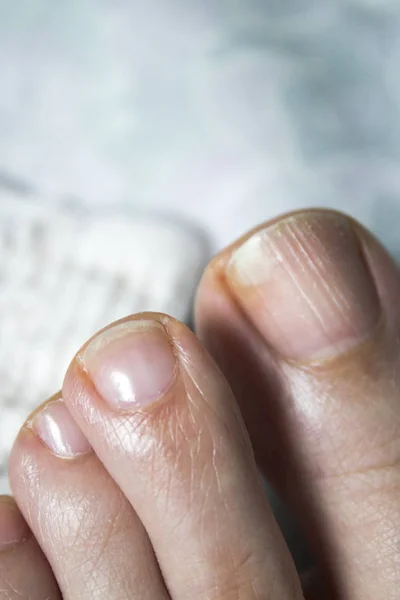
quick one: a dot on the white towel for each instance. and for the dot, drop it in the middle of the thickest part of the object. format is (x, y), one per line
(65, 274)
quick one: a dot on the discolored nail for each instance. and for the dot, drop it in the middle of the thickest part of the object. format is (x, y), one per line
(306, 285)
(130, 364)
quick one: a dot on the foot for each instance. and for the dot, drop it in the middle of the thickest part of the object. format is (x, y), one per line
(140, 479)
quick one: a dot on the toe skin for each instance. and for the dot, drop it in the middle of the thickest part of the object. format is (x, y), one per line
(24, 571)
(325, 426)
(185, 463)
(95, 543)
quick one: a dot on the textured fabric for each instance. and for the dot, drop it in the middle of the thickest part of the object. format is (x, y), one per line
(66, 274)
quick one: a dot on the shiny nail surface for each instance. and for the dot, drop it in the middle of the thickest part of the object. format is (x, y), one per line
(131, 364)
(57, 429)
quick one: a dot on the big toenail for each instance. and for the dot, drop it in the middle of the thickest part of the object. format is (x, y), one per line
(306, 284)
(130, 364)
(56, 428)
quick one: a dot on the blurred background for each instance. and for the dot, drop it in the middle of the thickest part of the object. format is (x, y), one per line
(137, 138)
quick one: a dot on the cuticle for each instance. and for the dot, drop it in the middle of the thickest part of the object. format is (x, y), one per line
(73, 458)
(28, 428)
(336, 360)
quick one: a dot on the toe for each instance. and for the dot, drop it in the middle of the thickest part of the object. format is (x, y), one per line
(95, 543)
(302, 316)
(24, 570)
(163, 421)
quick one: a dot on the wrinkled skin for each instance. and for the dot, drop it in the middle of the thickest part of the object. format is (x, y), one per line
(140, 479)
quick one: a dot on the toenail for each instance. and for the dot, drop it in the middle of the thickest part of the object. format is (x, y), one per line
(13, 528)
(130, 364)
(58, 430)
(306, 285)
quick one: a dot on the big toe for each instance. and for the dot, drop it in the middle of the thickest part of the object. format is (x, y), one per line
(302, 316)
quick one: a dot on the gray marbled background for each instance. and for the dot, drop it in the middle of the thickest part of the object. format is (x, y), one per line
(223, 111)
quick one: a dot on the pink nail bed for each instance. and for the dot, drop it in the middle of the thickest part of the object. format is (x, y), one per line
(131, 364)
(58, 431)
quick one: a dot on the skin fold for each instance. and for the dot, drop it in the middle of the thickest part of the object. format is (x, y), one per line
(141, 478)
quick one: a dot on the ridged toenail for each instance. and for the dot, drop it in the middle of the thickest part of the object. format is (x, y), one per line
(305, 283)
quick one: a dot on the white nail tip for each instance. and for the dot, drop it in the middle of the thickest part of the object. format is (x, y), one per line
(115, 332)
(250, 261)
